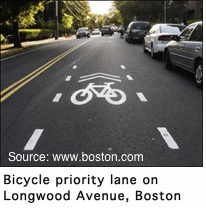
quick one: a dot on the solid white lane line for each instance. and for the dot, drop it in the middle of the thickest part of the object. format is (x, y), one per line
(123, 67)
(141, 96)
(57, 97)
(129, 77)
(168, 138)
(33, 140)
(74, 67)
(68, 78)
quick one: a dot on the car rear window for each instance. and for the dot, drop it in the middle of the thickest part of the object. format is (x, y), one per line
(171, 29)
(106, 28)
(140, 26)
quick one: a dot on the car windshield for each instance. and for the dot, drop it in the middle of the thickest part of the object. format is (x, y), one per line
(95, 30)
(82, 29)
(171, 29)
(140, 26)
(106, 28)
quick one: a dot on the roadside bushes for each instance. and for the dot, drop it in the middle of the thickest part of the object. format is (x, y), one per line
(35, 34)
(3, 40)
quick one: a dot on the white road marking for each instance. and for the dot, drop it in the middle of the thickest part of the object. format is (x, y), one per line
(33, 140)
(68, 78)
(129, 77)
(168, 138)
(123, 67)
(74, 67)
(101, 74)
(99, 77)
(142, 97)
(57, 97)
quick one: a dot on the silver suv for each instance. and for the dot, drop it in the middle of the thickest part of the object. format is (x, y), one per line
(185, 51)
(137, 31)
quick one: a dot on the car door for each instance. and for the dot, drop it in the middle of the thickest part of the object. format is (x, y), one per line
(193, 47)
(148, 38)
(178, 52)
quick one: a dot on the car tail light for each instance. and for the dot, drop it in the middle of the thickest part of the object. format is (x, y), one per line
(164, 37)
(130, 32)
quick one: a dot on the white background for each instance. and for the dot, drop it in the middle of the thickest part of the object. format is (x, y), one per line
(187, 181)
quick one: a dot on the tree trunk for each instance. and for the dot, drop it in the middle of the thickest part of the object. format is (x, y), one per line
(17, 42)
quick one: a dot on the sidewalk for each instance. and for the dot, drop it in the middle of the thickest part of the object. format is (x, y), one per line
(8, 49)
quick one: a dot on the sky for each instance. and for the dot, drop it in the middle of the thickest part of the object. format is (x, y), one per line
(100, 7)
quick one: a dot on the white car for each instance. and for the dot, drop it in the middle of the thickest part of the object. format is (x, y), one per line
(158, 36)
(95, 32)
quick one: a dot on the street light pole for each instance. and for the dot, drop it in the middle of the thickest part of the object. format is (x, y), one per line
(56, 21)
(165, 19)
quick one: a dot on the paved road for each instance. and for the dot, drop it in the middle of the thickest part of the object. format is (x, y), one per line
(142, 110)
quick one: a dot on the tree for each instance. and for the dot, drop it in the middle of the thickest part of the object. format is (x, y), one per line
(15, 12)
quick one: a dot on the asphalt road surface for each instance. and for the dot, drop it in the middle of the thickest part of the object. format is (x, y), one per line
(101, 98)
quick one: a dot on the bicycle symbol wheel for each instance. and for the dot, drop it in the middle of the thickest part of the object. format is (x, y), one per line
(116, 102)
(88, 96)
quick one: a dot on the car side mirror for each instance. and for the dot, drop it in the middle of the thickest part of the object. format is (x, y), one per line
(175, 37)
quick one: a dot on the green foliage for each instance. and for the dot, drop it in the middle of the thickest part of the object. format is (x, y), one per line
(2, 39)
(192, 21)
(35, 34)
(10, 38)
(67, 21)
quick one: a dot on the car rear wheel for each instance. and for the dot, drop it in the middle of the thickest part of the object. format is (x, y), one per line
(102, 34)
(168, 64)
(199, 74)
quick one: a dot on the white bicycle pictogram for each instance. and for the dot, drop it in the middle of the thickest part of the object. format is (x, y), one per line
(107, 93)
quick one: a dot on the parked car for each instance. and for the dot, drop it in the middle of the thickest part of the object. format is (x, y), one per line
(136, 31)
(158, 36)
(95, 32)
(185, 51)
(106, 30)
(83, 32)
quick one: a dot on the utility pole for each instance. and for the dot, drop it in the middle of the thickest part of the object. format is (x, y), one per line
(165, 19)
(56, 21)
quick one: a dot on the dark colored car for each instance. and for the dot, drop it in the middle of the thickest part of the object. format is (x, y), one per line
(83, 32)
(106, 30)
(137, 31)
(185, 51)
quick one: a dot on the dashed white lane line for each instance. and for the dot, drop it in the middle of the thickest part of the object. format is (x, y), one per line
(74, 67)
(168, 138)
(123, 67)
(57, 97)
(33, 140)
(68, 78)
(142, 97)
(129, 77)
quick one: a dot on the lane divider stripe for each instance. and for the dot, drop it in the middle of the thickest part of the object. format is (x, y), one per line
(168, 138)
(57, 97)
(123, 67)
(74, 67)
(33, 140)
(68, 78)
(129, 77)
(142, 97)
(50, 63)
